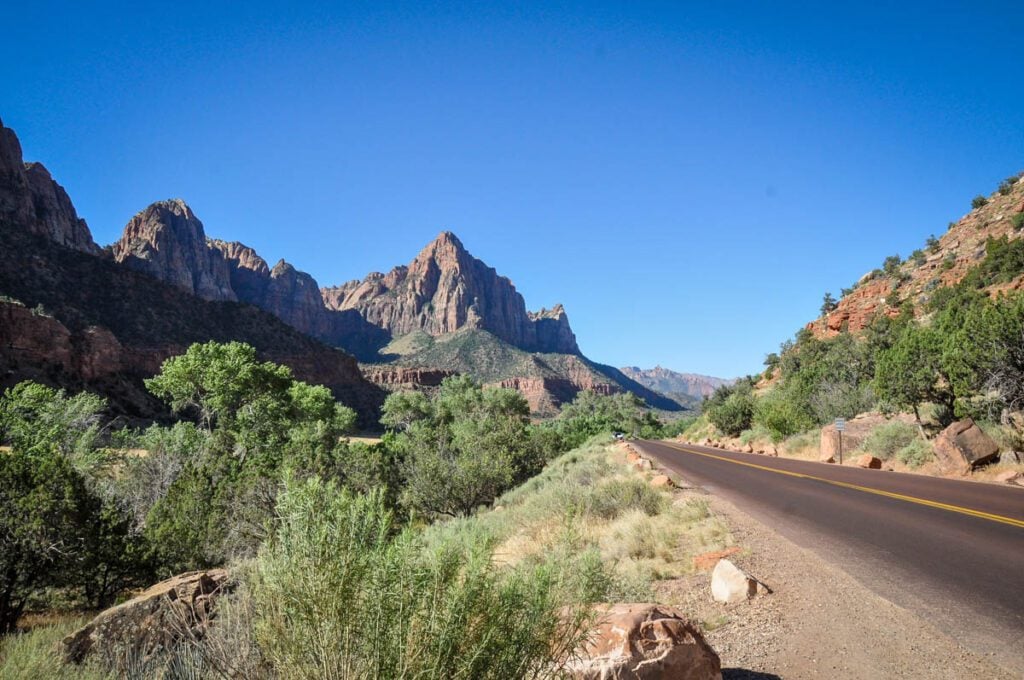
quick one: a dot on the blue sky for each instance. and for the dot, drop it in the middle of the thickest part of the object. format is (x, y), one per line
(687, 179)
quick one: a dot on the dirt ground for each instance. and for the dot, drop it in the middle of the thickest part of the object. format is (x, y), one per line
(817, 623)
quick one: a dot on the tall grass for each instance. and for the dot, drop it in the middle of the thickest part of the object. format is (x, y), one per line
(340, 593)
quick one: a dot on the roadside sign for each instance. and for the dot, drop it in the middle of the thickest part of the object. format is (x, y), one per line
(840, 424)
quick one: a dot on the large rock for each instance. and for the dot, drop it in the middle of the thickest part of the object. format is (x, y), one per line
(165, 614)
(963, 446)
(645, 641)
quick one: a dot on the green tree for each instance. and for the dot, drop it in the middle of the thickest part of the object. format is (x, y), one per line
(979, 201)
(909, 373)
(35, 418)
(46, 511)
(731, 408)
(828, 304)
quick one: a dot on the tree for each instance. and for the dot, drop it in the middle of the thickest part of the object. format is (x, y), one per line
(932, 244)
(464, 447)
(45, 511)
(731, 407)
(828, 304)
(891, 265)
(909, 373)
(979, 201)
(35, 418)
(254, 408)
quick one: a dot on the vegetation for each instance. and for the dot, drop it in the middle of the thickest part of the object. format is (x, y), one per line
(979, 201)
(334, 537)
(828, 304)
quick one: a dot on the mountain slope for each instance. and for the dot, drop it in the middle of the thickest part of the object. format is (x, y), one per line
(686, 388)
(939, 263)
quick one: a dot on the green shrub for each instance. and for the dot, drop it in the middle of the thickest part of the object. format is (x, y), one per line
(616, 497)
(1017, 221)
(339, 592)
(932, 244)
(1006, 186)
(979, 201)
(916, 453)
(780, 416)
(731, 408)
(889, 438)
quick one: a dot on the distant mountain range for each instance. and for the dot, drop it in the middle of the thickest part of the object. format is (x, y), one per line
(687, 389)
(83, 316)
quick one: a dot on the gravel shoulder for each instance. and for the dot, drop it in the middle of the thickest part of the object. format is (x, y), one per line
(819, 622)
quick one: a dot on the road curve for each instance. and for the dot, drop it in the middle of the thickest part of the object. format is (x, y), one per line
(951, 551)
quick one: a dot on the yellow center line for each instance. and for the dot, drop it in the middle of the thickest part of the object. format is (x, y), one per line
(878, 492)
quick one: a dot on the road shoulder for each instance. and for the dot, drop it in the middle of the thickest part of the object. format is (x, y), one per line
(818, 623)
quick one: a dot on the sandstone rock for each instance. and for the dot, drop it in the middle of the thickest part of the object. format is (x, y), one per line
(642, 465)
(749, 448)
(826, 457)
(154, 621)
(167, 241)
(868, 461)
(731, 584)
(963, 446)
(662, 481)
(645, 642)
(445, 289)
(632, 457)
(30, 198)
(707, 561)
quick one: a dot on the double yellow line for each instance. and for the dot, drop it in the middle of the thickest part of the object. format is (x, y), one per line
(866, 489)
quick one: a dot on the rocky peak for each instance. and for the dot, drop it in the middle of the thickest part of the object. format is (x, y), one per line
(445, 289)
(167, 241)
(30, 199)
(240, 255)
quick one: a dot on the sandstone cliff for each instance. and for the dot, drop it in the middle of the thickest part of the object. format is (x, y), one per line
(72, 316)
(942, 262)
(444, 290)
(30, 199)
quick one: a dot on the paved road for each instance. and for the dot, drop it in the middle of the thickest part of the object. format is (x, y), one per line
(952, 551)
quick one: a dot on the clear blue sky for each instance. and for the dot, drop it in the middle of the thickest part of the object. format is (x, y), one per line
(687, 180)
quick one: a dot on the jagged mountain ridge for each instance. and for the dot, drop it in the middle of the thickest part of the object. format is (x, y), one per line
(686, 388)
(443, 290)
(70, 315)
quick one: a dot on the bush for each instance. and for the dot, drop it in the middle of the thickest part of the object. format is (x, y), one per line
(339, 592)
(916, 453)
(35, 418)
(780, 416)
(979, 201)
(731, 408)
(886, 440)
(1006, 186)
(616, 497)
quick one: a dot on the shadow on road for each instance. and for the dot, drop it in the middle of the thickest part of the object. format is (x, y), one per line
(744, 674)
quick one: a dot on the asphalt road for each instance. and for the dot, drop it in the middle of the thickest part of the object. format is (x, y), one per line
(951, 551)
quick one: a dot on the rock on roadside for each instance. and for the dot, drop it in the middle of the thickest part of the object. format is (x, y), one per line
(645, 642)
(152, 622)
(730, 584)
(963, 446)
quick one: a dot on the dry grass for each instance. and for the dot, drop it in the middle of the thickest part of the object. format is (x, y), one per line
(590, 499)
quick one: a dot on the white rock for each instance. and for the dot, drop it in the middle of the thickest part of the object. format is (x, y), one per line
(731, 584)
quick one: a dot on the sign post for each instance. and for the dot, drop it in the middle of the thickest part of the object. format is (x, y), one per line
(840, 426)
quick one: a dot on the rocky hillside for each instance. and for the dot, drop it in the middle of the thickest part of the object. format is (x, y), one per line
(941, 261)
(167, 241)
(72, 315)
(444, 290)
(686, 388)
(546, 379)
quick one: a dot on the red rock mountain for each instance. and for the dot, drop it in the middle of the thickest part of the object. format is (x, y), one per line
(29, 197)
(444, 290)
(684, 387)
(943, 262)
(72, 315)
